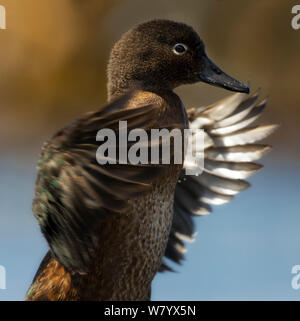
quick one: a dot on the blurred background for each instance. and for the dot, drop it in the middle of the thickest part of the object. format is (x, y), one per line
(53, 68)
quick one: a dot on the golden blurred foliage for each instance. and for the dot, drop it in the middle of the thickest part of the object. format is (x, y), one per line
(54, 53)
(51, 61)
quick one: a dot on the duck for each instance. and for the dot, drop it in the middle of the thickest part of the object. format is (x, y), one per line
(112, 227)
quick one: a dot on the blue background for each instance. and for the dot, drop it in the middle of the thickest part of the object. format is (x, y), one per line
(244, 250)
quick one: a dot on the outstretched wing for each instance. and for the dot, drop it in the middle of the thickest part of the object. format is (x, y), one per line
(74, 194)
(230, 151)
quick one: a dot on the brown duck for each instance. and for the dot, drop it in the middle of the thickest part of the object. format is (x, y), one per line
(109, 227)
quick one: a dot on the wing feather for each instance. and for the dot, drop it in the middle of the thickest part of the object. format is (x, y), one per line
(230, 149)
(74, 194)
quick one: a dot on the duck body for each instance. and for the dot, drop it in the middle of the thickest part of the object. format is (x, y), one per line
(110, 226)
(132, 243)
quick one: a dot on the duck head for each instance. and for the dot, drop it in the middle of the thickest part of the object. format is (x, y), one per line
(163, 54)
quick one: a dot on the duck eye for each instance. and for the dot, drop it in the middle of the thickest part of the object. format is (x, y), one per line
(180, 49)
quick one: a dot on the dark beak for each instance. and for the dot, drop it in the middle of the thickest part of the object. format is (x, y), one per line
(213, 75)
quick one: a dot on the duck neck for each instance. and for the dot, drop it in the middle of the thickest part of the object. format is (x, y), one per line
(119, 88)
(121, 81)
